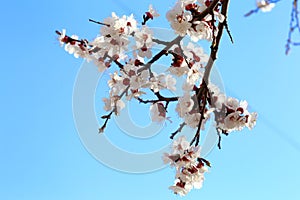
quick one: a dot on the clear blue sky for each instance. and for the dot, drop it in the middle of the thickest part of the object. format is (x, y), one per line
(42, 156)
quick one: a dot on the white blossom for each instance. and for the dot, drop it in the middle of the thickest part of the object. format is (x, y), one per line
(194, 75)
(71, 48)
(265, 6)
(201, 31)
(184, 105)
(180, 189)
(187, 86)
(192, 120)
(195, 53)
(108, 29)
(218, 98)
(179, 20)
(61, 37)
(180, 145)
(252, 120)
(179, 66)
(143, 42)
(170, 82)
(186, 2)
(179, 71)
(232, 103)
(233, 121)
(170, 158)
(162, 81)
(143, 36)
(158, 112)
(132, 78)
(113, 103)
(152, 12)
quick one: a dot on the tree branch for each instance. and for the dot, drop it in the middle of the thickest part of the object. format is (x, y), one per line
(197, 135)
(160, 54)
(166, 99)
(202, 93)
(108, 116)
(215, 44)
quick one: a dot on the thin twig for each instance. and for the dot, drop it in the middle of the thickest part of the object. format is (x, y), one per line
(96, 22)
(294, 24)
(178, 130)
(108, 116)
(160, 41)
(228, 31)
(219, 140)
(69, 38)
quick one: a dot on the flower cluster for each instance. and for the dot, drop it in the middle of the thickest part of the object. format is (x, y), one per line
(265, 6)
(131, 83)
(184, 19)
(113, 42)
(190, 168)
(72, 44)
(158, 112)
(188, 109)
(231, 114)
(144, 42)
(188, 60)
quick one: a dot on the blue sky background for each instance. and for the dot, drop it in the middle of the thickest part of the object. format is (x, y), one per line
(42, 156)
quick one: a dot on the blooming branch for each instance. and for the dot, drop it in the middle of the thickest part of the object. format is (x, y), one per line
(126, 44)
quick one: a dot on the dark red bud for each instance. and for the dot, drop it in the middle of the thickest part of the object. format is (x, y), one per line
(149, 15)
(207, 3)
(107, 64)
(126, 81)
(115, 57)
(137, 62)
(131, 73)
(144, 48)
(240, 109)
(180, 184)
